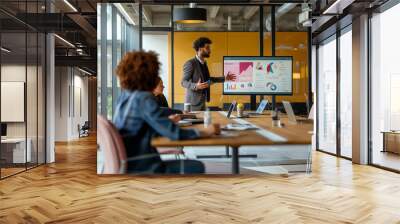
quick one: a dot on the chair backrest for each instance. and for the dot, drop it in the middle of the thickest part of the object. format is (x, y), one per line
(110, 142)
(86, 125)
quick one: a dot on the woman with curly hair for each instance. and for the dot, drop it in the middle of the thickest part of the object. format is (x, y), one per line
(139, 118)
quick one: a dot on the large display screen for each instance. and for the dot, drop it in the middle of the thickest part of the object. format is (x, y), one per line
(258, 75)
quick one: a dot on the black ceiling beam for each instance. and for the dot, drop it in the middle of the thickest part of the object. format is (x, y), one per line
(49, 22)
(77, 61)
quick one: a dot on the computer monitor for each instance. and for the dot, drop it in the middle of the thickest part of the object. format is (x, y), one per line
(3, 129)
(258, 75)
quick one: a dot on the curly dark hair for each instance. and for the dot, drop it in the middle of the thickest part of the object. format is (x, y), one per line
(201, 42)
(138, 70)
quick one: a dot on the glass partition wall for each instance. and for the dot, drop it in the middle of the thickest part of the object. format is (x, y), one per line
(267, 30)
(292, 40)
(326, 96)
(385, 89)
(235, 30)
(22, 77)
(227, 27)
(117, 33)
(334, 94)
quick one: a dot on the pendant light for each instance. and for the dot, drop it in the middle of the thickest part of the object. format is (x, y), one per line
(191, 15)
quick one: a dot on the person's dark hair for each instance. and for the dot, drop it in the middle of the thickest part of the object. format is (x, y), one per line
(138, 70)
(201, 42)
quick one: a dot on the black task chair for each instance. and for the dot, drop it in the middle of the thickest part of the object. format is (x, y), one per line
(84, 130)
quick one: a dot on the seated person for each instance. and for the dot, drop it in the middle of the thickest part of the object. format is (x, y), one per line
(139, 118)
(161, 100)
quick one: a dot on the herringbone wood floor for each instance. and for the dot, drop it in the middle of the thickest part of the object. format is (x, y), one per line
(69, 191)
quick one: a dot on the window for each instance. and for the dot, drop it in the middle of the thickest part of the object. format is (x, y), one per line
(346, 93)
(22, 102)
(327, 96)
(385, 88)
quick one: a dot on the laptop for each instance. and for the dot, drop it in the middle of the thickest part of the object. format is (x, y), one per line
(292, 116)
(260, 108)
(231, 108)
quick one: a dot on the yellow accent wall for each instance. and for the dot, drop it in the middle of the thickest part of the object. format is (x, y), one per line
(239, 44)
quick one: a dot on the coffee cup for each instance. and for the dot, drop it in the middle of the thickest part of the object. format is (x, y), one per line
(187, 107)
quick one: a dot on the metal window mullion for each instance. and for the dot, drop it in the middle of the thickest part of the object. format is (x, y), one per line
(273, 43)
(37, 95)
(140, 26)
(338, 95)
(103, 58)
(172, 58)
(310, 96)
(0, 91)
(25, 90)
(317, 97)
(113, 57)
(261, 36)
(369, 78)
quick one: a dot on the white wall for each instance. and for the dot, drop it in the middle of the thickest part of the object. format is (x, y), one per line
(71, 96)
(159, 44)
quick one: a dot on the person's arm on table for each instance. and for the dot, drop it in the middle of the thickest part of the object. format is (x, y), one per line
(165, 127)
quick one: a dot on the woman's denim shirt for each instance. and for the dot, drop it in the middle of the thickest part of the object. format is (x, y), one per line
(138, 119)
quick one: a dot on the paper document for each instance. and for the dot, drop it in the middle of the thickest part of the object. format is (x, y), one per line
(239, 127)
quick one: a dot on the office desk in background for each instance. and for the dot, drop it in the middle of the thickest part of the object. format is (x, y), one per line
(391, 141)
(290, 134)
(13, 150)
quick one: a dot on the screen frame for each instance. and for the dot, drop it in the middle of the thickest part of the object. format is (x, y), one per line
(257, 93)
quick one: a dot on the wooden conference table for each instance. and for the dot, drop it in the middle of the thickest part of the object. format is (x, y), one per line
(289, 134)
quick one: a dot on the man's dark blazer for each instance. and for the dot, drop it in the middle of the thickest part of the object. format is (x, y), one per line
(192, 73)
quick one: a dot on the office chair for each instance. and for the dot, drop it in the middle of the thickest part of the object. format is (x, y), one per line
(114, 152)
(110, 141)
(84, 129)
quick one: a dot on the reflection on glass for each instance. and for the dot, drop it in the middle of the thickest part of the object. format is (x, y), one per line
(159, 42)
(346, 94)
(109, 62)
(292, 40)
(385, 85)
(327, 97)
(22, 91)
(121, 34)
(224, 44)
(15, 151)
(267, 31)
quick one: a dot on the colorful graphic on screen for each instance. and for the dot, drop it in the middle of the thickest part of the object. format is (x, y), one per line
(266, 75)
(269, 68)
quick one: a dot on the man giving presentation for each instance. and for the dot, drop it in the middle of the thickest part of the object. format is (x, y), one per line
(196, 76)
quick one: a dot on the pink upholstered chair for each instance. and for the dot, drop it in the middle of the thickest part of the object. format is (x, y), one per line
(111, 143)
(113, 147)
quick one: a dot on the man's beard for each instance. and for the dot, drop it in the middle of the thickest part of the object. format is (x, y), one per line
(205, 55)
